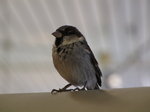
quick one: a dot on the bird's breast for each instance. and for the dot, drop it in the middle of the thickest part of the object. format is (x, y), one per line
(65, 61)
(73, 64)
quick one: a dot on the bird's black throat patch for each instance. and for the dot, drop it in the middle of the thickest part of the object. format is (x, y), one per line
(58, 41)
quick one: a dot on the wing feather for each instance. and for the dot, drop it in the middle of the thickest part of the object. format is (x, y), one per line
(98, 72)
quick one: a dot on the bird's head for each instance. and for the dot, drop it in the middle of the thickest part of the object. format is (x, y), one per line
(67, 35)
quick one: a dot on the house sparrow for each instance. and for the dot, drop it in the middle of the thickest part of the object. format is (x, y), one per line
(74, 60)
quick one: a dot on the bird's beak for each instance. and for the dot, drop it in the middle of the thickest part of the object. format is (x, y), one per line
(57, 34)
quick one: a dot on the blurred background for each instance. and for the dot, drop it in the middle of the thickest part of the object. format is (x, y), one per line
(118, 32)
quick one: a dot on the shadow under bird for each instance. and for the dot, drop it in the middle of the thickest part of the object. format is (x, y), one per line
(74, 60)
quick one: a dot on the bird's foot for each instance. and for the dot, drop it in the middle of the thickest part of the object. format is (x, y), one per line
(60, 90)
(82, 89)
(78, 89)
(64, 89)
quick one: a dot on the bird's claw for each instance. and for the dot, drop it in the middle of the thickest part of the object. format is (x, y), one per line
(78, 89)
(54, 91)
(64, 89)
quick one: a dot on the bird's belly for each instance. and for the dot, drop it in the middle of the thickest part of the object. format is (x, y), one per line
(75, 69)
(70, 71)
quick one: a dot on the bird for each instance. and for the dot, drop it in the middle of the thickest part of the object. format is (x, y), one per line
(74, 60)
